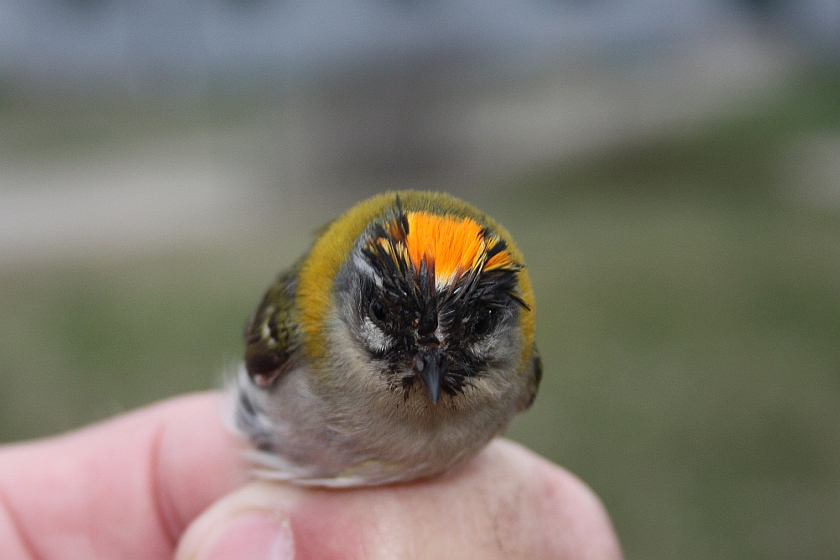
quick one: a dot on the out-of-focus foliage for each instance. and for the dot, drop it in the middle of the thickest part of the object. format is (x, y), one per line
(688, 289)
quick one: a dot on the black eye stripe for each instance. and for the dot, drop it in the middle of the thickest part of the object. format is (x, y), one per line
(376, 311)
(482, 322)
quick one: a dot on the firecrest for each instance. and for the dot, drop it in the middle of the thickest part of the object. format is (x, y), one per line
(397, 347)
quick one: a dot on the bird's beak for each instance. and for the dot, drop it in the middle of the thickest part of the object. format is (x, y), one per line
(430, 368)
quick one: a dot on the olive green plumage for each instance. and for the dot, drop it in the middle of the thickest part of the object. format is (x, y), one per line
(336, 349)
(273, 334)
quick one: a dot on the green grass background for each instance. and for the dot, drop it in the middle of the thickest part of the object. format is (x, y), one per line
(688, 316)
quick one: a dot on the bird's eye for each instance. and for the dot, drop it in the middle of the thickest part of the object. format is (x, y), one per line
(482, 322)
(377, 311)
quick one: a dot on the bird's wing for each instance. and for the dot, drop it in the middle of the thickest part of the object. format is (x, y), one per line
(534, 371)
(272, 336)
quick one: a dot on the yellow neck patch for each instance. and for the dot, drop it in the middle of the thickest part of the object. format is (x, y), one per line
(449, 245)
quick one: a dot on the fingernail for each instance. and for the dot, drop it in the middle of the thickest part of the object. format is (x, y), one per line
(252, 536)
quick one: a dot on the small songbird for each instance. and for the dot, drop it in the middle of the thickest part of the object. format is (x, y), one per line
(399, 346)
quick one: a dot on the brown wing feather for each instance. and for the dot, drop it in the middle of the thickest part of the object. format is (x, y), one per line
(272, 336)
(535, 370)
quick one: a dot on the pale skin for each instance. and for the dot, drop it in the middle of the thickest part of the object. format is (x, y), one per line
(168, 481)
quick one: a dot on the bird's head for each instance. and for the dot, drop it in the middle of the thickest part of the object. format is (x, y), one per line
(431, 294)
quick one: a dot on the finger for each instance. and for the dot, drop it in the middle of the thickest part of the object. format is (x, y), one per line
(507, 503)
(125, 488)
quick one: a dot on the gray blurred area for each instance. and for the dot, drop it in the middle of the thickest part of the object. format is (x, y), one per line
(669, 169)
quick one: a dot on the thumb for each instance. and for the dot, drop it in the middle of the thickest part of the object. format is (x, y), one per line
(505, 503)
(251, 523)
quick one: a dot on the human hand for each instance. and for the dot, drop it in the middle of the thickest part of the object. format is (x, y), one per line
(136, 486)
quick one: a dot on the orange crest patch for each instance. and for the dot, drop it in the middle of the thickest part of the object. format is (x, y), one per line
(451, 246)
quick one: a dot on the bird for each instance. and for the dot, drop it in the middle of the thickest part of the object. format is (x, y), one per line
(396, 348)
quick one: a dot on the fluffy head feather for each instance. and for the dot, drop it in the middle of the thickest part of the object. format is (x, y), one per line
(440, 227)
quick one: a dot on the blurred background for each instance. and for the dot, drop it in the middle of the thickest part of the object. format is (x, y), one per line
(670, 168)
